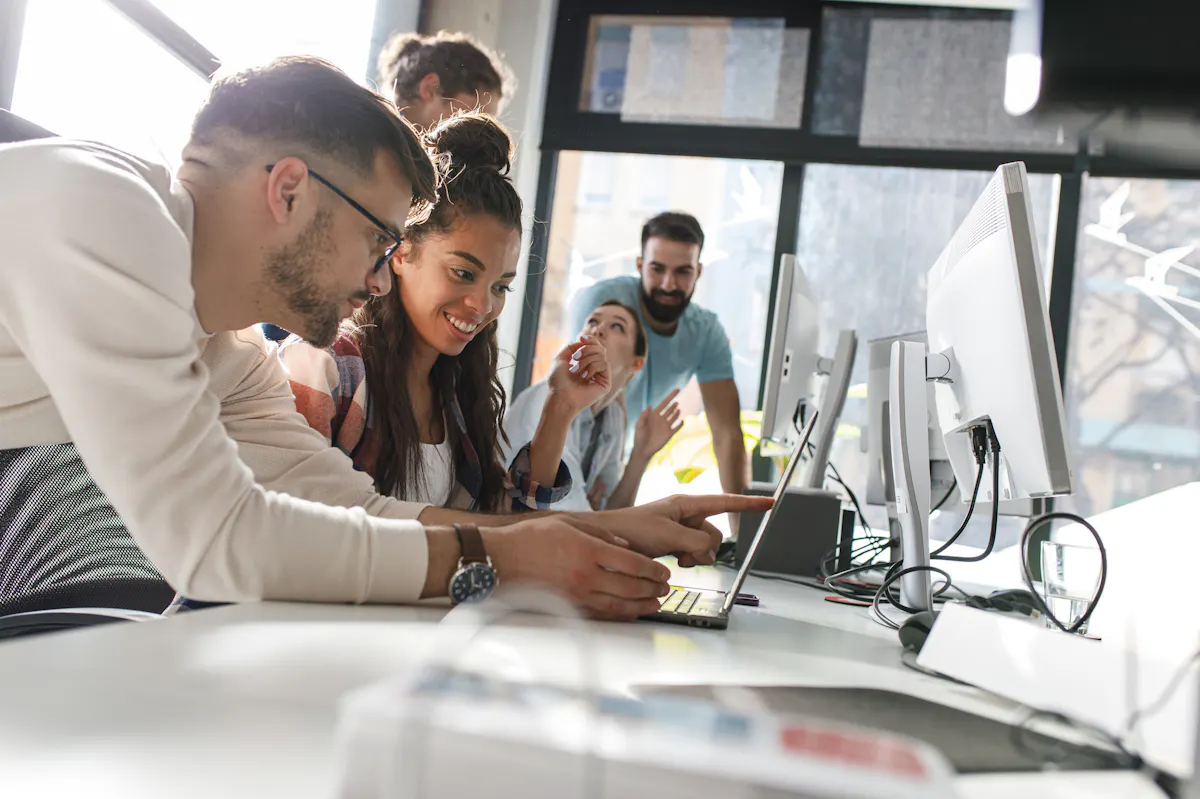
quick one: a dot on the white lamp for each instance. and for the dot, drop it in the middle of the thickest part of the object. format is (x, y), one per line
(1023, 80)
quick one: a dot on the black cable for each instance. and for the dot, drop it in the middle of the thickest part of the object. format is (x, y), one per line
(970, 512)
(1025, 574)
(991, 544)
(862, 519)
(869, 548)
(949, 493)
(892, 577)
(810, 582)
(1058, 750)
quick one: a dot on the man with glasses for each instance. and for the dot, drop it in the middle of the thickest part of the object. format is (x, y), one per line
(136, 419)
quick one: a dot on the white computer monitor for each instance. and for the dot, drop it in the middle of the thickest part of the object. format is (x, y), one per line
(991, 357)
(792, 358)
(876, 443)
(833, 399)
(792, 363)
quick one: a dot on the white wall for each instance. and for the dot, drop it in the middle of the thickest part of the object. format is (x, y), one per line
(521, 31)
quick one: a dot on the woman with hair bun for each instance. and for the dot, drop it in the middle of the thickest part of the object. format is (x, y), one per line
(409, 390)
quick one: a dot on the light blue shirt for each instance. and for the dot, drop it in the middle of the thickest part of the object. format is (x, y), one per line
(699, 347)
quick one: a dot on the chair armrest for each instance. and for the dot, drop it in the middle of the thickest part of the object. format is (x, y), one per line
(43, 621)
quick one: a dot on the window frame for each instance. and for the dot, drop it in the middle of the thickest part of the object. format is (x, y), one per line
(566, 127)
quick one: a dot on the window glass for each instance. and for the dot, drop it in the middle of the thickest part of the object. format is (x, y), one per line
(601, 202)
(266, 29)
(92, 74)
(922, 78)
(86, 71)
(1133, 375)
(696, 70)
(868, 236)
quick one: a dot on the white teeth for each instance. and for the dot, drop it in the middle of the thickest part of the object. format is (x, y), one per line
(465, 327)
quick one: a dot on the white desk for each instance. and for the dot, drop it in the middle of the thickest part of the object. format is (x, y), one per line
(240, 701)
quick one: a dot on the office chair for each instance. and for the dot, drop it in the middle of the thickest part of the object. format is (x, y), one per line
(66, 559)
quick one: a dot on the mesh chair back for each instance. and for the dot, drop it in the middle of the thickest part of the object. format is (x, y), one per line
(62, 544)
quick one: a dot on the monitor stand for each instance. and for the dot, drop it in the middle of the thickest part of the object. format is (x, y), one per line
(909, 428)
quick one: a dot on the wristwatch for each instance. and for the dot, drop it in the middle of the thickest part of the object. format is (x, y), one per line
(475, 579)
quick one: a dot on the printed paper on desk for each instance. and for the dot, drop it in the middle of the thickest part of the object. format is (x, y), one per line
(457, 734)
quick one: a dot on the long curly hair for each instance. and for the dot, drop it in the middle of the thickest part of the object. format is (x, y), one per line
(474, 153)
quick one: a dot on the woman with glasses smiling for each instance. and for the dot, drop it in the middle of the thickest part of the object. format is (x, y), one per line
(409, 389)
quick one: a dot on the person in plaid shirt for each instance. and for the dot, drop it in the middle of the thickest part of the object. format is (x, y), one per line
(409, 388)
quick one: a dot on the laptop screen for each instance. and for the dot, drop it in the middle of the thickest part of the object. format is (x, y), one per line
(784, 481)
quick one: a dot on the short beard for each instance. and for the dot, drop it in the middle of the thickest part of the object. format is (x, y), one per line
(291, 272)
(666, 314)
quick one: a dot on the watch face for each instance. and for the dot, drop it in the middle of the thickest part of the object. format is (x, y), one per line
(474, 582)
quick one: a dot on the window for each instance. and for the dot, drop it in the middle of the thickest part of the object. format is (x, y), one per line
(266, 29)
(737, 203)
(696, 70)
(597, 180)
(868, 236)
(922, 78)
(95, 75)
(1133, 371)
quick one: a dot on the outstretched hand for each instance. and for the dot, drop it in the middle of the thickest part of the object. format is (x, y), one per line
(676, 525)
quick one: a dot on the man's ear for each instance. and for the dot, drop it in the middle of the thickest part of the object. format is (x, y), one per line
(639, 264)
(430, 88)
(402, 255)
(285, 187)
(699, 270)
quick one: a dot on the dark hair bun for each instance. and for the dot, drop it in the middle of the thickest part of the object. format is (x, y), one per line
(472, 140)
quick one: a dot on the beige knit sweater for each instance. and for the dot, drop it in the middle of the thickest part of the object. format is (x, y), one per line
(194, 438)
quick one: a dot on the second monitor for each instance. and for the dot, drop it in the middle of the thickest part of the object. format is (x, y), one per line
(991, 358)
(792, 363)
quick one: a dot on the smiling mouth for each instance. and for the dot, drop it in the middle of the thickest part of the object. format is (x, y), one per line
(462, 326)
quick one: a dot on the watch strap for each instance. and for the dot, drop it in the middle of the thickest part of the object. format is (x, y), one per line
(470, 542)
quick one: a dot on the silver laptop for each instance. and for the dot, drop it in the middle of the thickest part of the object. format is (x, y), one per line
(704, 607)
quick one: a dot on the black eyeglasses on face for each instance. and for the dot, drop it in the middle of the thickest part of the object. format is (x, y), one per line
(374, 220)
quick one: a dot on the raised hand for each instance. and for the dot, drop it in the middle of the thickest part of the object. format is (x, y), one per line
(580, 375)
(656, 426)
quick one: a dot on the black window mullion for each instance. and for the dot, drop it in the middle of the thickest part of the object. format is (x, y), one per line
(1062, 275)
(169, 35)
(535, 279)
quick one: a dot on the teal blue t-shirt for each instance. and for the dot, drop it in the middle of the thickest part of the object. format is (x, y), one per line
(699, 347)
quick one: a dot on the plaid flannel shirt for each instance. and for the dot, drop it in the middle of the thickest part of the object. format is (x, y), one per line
(330, 387)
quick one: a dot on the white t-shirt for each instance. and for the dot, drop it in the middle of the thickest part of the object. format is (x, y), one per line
(437, 476)
(100, 345)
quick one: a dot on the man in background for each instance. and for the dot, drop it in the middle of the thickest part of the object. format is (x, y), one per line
(430, 77)
(685, 340)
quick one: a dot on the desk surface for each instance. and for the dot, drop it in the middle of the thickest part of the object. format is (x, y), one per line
(241, 700)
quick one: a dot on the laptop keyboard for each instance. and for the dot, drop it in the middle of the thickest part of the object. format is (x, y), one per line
(680, 600)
